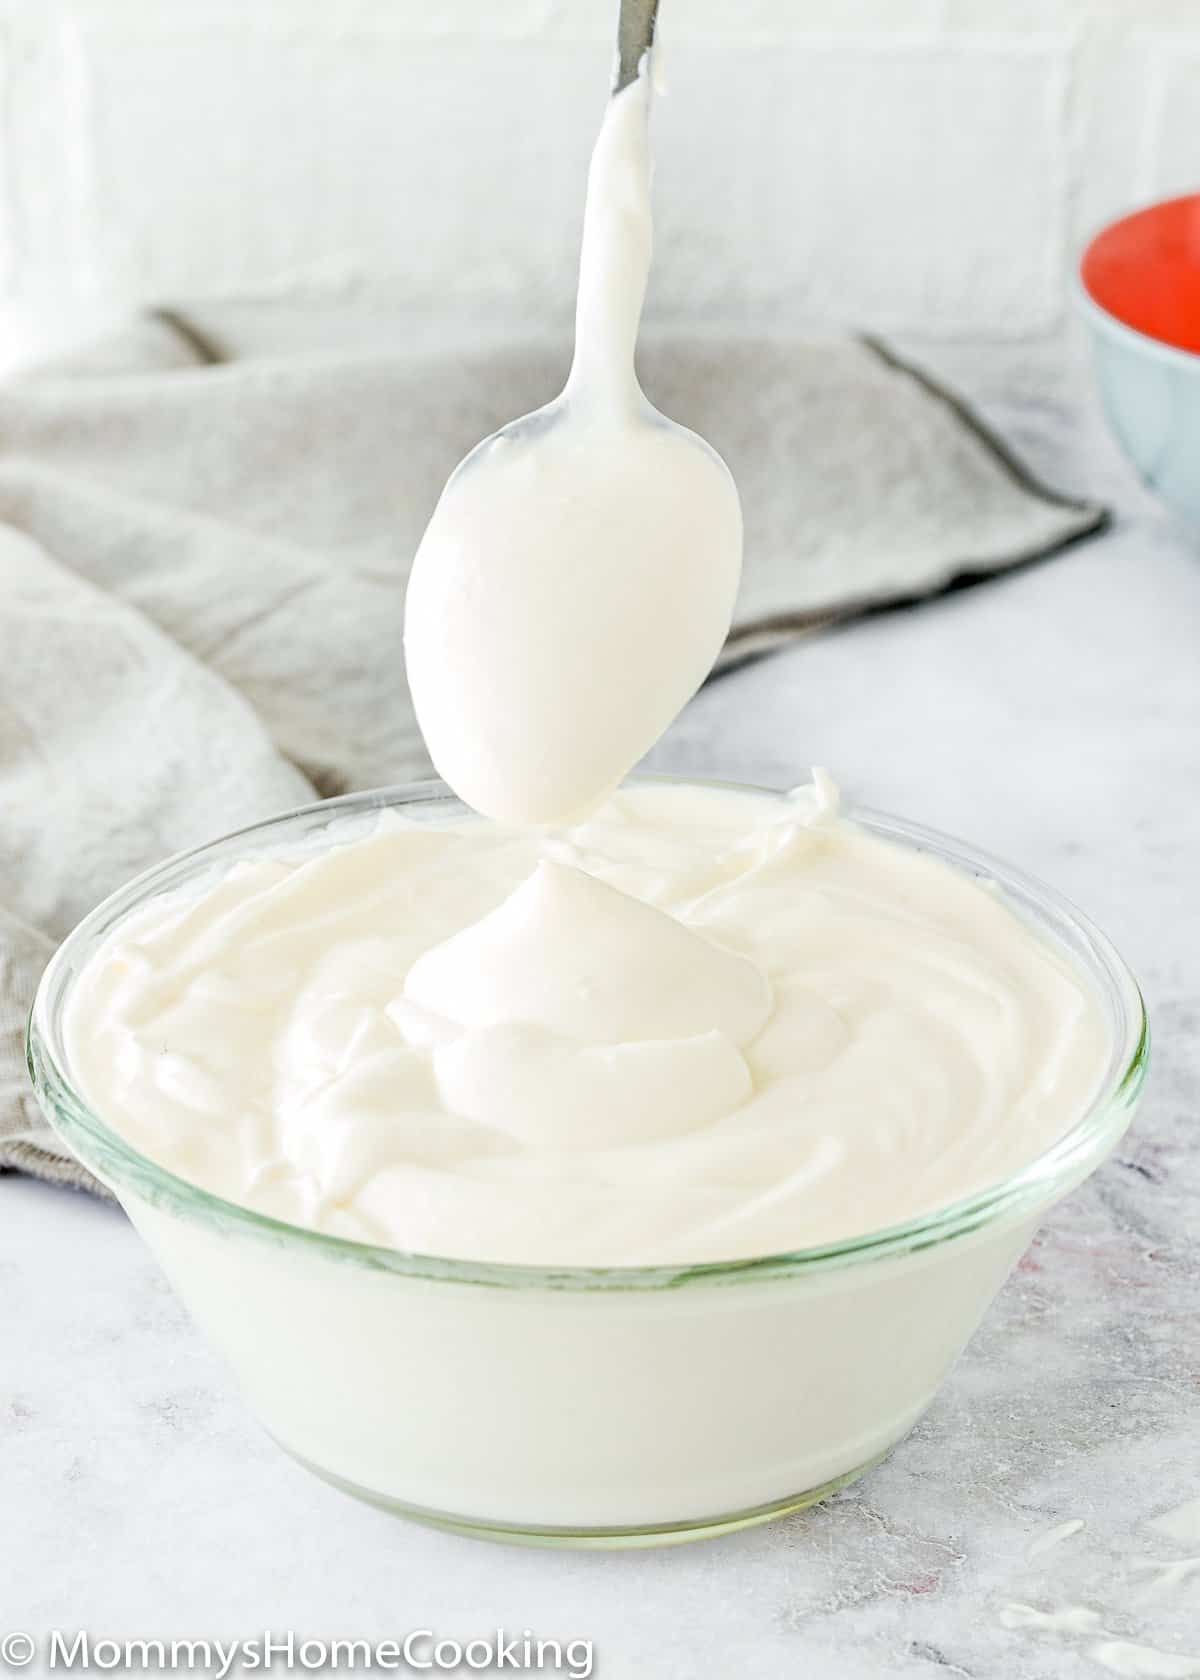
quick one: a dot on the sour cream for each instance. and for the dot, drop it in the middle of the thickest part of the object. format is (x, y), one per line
(701, 1025)
(682, 1025)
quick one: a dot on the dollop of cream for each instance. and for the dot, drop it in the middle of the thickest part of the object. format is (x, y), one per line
(588, 1018)
(581, 959)
(703, 1024)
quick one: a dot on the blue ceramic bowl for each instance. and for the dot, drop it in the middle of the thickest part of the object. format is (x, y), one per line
(1139, 290)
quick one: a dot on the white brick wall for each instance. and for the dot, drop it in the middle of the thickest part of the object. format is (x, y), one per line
(921, 165)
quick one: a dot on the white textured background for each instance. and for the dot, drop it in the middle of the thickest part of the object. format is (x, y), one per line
(926, 165)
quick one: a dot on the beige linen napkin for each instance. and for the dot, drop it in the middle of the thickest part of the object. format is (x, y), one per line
(205, 532)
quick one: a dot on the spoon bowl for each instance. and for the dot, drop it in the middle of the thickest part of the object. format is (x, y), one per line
(592, 614)
(578, 576)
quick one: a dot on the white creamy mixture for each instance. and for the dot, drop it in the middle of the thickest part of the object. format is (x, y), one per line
(578, 577)
(702, 1024)
(587, 1027)
(694, 1025)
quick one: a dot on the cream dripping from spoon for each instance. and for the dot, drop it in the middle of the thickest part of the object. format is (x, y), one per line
(578, 576)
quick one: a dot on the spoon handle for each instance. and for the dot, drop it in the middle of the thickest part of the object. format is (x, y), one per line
(635, 37)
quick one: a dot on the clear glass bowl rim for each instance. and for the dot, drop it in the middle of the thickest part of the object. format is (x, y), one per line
(1035, 1185)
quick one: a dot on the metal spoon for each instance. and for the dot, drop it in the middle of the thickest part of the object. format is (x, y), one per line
(635, 37)
(578, 575)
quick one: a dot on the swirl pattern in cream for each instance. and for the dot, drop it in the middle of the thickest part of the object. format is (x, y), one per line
(702, 1024)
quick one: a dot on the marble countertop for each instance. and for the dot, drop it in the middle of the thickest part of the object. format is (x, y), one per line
(1053, 715)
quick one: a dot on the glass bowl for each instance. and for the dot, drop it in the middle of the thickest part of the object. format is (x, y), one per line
(581, 1405)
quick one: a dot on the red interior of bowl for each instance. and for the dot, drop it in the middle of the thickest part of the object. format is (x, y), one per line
(1145, 270)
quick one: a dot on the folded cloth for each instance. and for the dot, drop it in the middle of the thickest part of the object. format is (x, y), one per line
(204, 547)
